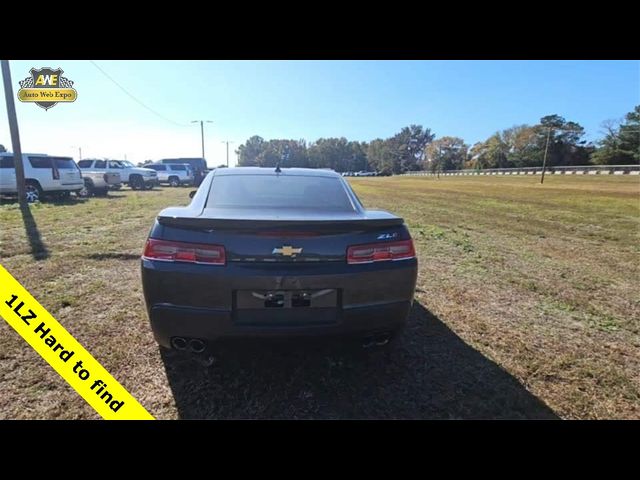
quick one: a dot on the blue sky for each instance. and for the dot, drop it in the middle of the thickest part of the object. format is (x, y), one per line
(360, 100)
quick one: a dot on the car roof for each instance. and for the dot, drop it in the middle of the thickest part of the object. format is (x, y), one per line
(10, 154)
(182, 159)
(306, 172)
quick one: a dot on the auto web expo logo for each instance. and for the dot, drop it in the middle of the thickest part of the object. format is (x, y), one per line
(46, 87)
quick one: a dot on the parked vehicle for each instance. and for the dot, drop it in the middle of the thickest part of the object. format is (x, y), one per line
(175, 174)
(285, 252)
(137, 178)
(198, 166)
(98, 183)
(44, 175)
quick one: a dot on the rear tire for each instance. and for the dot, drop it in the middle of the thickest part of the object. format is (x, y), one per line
(64, 195)
(136, 182)
(33, 191)
(87, 190)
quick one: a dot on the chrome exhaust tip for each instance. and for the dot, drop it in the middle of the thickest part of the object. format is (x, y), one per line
(379, 340)
(196, 345)
(179, 343)
(368, 342)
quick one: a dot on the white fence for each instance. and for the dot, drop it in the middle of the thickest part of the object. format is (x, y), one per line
(575, 170)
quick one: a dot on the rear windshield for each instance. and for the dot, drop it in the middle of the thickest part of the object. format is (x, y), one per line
(65, 163)
(278, 191)
(196, 163)
(6, 162)
(40, 162)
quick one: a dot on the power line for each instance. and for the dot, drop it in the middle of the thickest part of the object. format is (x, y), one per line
(133, 97)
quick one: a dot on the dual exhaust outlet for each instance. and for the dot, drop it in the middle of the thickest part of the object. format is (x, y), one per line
(193, 345)
(196, 345)
(378, 340)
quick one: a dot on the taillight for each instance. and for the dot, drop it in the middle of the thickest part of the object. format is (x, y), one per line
(381, 252)
(169, 251)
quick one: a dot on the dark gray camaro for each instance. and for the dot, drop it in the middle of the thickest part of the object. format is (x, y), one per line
(264, 252)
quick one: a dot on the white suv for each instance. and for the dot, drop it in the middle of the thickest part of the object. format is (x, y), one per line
(175, 174)
(42, 174)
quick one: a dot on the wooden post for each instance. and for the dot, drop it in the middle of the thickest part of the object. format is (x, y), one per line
(544, 160)
(15, 135)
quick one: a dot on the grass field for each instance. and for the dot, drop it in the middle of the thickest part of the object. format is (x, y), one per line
(527, 307)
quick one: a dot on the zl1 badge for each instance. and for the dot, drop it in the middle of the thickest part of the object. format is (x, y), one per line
(46, 87)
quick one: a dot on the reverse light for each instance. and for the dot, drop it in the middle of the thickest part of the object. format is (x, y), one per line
(170, 251)
(381, 252)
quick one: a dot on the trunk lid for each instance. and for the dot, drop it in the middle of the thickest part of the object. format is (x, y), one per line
(268, 236)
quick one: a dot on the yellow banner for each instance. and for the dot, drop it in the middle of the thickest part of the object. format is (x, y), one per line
(47, 95)
(67, 357)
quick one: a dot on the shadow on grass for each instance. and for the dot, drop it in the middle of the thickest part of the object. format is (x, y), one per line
(39, 250)
(75, 200)
(428, 373)
(112, 256)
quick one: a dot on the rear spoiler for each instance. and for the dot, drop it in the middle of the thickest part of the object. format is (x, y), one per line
(246, 224)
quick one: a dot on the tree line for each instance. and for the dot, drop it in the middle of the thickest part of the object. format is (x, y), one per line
(417, 148)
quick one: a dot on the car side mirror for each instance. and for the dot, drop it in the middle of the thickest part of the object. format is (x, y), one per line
(192, 193)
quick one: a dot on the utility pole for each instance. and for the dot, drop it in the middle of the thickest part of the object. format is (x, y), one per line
(15, 134)
(227, 142)
(202, 122)
(544, 160)
(79, 151)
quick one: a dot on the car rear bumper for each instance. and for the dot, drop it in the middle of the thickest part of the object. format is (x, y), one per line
(201, 301)
(168, 321)
(66, 187)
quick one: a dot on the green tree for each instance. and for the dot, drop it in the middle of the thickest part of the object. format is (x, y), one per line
(380, 156)
(258, 152)
(521, 147)
(332, 153)
(566, 146)
(524, 145)
(621, 144)
(407, 148)
(250, 151)
(358, 157)
(287, 153)
(446, 153)
(492, 153)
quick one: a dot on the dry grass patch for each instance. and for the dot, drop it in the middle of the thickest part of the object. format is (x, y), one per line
(527, 307)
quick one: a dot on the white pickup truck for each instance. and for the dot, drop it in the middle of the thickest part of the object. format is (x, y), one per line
(98, 183)
(137, 178)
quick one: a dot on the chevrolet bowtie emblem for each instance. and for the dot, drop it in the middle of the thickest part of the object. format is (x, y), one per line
(287, 251)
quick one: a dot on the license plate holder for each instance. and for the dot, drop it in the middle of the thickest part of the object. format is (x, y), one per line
(287, 299)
